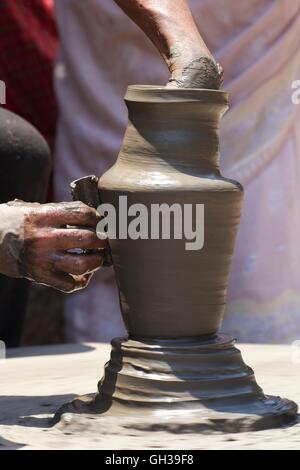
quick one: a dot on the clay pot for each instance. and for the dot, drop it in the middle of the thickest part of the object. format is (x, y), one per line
(175, 371)
(170, 155)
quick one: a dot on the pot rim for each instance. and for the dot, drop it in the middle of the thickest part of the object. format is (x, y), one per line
(161, 94)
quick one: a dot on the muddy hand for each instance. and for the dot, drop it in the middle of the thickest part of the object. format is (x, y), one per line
(36, 242)
(170, 26)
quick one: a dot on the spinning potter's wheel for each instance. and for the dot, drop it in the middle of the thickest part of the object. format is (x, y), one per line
(178, 386)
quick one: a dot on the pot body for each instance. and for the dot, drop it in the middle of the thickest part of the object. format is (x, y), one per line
(170, 155)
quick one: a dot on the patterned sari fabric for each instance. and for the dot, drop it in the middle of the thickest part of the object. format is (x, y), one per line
(28, 43)
(261, 148)
(257, 42)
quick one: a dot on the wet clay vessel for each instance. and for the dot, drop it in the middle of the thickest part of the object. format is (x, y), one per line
(175, 369)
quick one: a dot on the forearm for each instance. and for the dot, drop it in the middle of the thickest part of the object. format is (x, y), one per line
(170, 26)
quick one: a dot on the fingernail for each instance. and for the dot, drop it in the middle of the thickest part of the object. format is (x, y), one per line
(101, 235)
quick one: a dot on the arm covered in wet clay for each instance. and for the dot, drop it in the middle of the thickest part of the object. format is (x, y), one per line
(170, 26)
(35, 239)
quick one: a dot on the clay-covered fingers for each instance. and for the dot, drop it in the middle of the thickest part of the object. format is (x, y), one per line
(79, 264)
(202, 72)
(72, 238)
(41, 237)
(70, 213)
(66, 282)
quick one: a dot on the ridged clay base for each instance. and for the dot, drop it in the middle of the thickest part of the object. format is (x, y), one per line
(186, 385)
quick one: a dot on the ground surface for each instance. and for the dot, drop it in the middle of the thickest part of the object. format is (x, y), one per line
(36, 381)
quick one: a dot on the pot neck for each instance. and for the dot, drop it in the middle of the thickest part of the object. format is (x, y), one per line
(177, 128)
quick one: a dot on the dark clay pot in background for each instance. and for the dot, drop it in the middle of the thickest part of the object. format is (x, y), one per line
(25, 167)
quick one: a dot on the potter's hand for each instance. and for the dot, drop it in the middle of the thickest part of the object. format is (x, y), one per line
(35, 241)
(170, 26)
